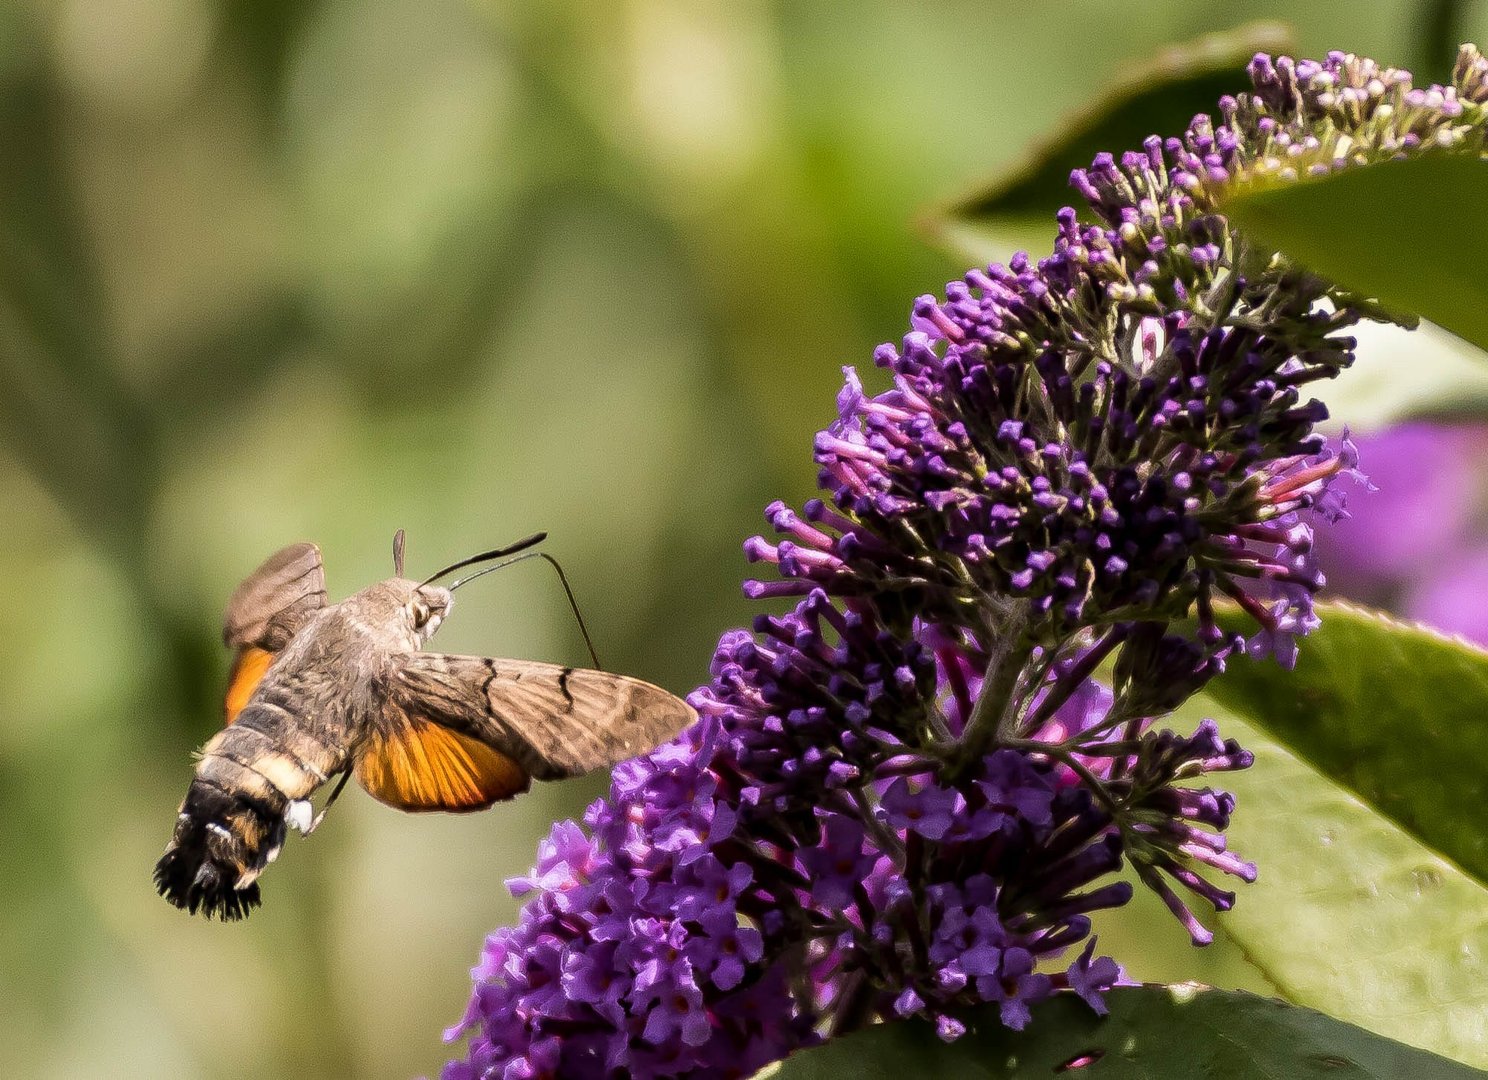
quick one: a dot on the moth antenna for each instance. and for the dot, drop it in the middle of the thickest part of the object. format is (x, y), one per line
(487, 556)
(573, 606)
(398, 553)
(563, 580)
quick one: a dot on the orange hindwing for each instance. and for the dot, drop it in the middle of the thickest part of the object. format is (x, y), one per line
(247, 672)
(418, 765)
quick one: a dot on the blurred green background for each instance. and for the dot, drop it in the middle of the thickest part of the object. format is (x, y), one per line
(314, 269)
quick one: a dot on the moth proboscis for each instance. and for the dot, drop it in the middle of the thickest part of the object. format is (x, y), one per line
(320, 691)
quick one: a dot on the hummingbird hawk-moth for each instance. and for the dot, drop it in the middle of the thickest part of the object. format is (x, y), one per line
(322, 691)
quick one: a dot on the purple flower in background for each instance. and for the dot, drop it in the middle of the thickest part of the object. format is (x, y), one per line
(1452, 599)
(907, 795)
(1412, 546)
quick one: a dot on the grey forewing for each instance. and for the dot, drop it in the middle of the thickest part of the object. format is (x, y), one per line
(554, 721)
(277, 599)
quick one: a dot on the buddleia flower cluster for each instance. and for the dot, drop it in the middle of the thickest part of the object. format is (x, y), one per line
(908, 793)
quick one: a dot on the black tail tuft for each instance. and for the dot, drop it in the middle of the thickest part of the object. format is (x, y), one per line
(191, 880)
(220, 839)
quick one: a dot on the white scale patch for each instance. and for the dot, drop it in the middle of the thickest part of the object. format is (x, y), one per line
(299, 815)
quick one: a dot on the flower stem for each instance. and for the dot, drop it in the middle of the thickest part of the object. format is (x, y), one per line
(855, 1007)
(994, 714)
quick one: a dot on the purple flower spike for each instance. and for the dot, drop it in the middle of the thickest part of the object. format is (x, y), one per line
(908, 794)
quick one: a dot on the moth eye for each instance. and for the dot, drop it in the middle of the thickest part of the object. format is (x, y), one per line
(420, 616)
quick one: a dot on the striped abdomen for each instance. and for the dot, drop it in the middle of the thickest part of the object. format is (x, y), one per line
(231, 824)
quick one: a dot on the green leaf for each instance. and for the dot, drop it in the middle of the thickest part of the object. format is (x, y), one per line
(1396, 713)
(1016, 206)
(1406, 233)
(1350, 914)
(1153, 1033)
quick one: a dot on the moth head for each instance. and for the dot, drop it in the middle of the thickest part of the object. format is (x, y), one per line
(405, 613)
(427, 603)
(426, 608)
